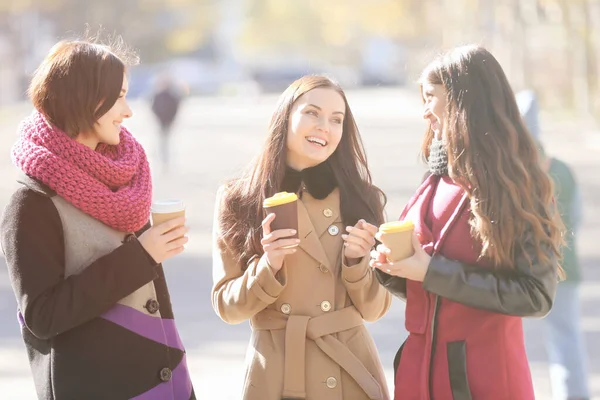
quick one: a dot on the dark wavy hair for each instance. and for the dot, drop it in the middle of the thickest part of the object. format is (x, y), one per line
(493, 157)
(241, 210)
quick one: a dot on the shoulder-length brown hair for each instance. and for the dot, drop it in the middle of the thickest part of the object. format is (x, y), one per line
(78, 82)
(493, 157)
(241, 210)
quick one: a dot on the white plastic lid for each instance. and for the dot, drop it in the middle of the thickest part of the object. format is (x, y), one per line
(167, 206)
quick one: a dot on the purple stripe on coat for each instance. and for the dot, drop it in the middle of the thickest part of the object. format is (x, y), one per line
(21, 319)
(178, 388)
(161, 330)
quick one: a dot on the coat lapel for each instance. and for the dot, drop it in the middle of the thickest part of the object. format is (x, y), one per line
(451, 220)
(314, 220)
(418, 207)
(316, 210)
(424, 186)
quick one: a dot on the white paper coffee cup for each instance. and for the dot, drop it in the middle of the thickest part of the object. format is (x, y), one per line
(165, 210)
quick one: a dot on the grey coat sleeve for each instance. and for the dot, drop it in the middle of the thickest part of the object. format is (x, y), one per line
(525, 291)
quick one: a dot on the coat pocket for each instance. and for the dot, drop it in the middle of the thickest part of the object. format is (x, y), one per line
(457, 370)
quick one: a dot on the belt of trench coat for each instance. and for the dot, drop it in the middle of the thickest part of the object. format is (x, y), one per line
(320, 330)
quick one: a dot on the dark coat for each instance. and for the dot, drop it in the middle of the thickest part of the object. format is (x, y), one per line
(97, 329)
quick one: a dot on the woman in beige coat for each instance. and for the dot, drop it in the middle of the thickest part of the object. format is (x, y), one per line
(306, 304)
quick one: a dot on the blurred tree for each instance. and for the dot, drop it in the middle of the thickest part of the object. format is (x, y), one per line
(284, 27)
(523, 34)
(580, 54)
(194, 27)
(157, 28)
(331, 30)
(590, 35)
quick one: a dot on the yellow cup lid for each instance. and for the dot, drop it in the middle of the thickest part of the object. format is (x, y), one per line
(280, 198)
(396, 226)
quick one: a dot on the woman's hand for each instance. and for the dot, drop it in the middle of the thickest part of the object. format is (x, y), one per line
(359, 241)
(166, 240)
(414, 267)
(275, 245)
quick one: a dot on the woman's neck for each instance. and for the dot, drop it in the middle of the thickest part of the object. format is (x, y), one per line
(87, 140)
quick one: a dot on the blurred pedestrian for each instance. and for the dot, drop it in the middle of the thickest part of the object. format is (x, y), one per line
(306, 303)
(83, 261)
(486, 243)
(165, 105)
(562, 326)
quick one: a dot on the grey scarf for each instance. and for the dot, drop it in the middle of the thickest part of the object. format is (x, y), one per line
(438, 157)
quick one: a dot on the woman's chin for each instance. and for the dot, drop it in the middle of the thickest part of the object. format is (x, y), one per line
(115, 140)
(317, 157)
(316, 161)
(308, 160)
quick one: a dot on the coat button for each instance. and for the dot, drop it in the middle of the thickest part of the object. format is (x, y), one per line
(333, 230)
(325, 306)
(286, 308)
(166, 374)
(331, 382)
(323, 269)
(130, 237)
(328, 213)
(152, 306)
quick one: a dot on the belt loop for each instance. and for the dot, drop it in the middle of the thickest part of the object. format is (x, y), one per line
(294, 381)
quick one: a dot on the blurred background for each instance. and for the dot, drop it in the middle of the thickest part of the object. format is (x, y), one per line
(229, 59)
(218, 47)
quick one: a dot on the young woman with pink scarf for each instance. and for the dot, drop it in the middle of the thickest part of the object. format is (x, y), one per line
(84, 262)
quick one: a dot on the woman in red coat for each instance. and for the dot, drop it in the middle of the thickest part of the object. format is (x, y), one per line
(487, 239)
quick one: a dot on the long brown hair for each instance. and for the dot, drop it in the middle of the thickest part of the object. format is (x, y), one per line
(493, 157)
(241, 211)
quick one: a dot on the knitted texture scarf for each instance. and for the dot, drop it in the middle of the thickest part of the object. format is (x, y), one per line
(111, 184)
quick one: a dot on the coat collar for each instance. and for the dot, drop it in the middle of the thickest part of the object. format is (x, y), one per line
(422, 199)
(319, 181)
(35, 185)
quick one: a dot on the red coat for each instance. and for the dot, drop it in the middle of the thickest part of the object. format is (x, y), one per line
(456, 351)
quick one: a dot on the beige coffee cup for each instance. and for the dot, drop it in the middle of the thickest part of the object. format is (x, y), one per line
(165, 210)
(397, 236)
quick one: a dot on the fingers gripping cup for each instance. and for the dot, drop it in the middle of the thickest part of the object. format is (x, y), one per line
(397, 236)
(285, 207)
(165, 210)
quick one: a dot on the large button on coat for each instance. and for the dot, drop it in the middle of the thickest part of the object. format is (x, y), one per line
(152, 306)
(166, 374)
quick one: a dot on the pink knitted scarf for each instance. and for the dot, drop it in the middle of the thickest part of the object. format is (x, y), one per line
(112, 183)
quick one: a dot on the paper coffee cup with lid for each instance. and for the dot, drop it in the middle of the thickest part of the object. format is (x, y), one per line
(285, 207)
(397, 236)
(165, 210)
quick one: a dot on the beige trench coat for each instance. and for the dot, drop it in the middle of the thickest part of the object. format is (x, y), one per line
(308, 337)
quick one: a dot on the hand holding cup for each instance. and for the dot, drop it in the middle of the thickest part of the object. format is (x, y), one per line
(400, 253)
(277, 244)
(166, 240)
(166, 237)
